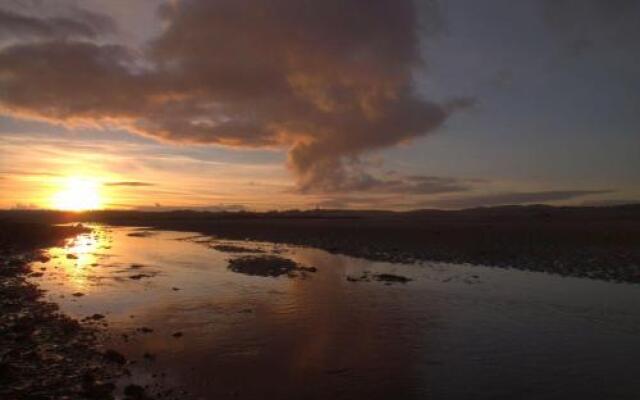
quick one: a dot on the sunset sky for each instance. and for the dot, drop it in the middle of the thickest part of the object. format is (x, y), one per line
(257, 104)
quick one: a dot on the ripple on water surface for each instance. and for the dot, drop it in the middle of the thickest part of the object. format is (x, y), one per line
(349, 328)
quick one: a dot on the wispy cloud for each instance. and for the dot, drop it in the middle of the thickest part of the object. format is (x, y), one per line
(31, 173)
(129, 184)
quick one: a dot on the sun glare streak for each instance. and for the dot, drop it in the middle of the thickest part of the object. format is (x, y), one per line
(75, 260)
(78, 194)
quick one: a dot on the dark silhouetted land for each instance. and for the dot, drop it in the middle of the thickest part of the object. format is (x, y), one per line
(594, 242)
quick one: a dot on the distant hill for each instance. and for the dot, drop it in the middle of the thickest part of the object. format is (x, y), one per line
(629, 211)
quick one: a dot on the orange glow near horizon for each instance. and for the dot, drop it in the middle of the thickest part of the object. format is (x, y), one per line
(78, 194)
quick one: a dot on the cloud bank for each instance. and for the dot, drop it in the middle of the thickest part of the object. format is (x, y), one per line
(328, 80)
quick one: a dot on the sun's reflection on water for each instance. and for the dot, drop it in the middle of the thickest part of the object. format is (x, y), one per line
(78, 256)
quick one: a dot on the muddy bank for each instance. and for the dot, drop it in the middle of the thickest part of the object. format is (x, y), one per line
(229, 248)
(268, 266)
(43, 353)
(388, 279)
(18, 236)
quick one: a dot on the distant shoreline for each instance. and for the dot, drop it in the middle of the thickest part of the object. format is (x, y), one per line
(593, 242)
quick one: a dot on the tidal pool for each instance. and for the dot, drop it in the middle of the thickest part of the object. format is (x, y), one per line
(452, 332)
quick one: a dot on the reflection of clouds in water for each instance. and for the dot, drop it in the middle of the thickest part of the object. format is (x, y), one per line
(305, 335)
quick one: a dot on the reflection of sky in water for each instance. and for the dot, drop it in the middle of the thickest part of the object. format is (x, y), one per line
(75, 260)
(453, 332)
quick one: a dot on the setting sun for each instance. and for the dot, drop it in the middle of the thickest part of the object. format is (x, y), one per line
(78, 195)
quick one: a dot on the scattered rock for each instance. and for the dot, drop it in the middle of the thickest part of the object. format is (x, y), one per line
(387, 278)
(135, 392)
(95, 389)
(43, 353)
(144, 329)
(267, 265)
(177, 335)
(72, 256)
(43, 258)
(140, 276)
(362, 278)
(78, 294)
(337, 371)
(114, 357)
(390, 278)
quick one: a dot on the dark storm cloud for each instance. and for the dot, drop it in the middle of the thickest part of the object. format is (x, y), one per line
(329, 80)
(512, 198)
(129, 184)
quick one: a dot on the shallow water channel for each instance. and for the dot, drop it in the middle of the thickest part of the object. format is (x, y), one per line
(188, 322)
